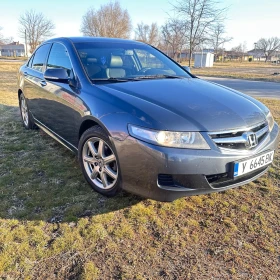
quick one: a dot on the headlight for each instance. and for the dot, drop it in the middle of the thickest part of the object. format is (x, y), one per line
(187, 140)
(270, 121)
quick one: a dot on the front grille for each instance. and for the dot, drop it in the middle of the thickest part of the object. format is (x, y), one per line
(239, 139)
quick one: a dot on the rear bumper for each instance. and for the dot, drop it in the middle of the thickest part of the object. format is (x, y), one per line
(166, 174)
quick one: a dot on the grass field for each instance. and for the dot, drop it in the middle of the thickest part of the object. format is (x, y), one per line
(53, 226)
(22, 58)
(260, 71)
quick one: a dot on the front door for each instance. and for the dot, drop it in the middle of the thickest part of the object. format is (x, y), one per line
(59, 101)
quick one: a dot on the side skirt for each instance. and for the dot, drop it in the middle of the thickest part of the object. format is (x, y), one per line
(59, 139)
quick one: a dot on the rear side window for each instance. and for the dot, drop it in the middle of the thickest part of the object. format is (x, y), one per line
(59, 58)
(40, 58)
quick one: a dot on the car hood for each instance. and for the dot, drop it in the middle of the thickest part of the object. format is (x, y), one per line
(189, 104)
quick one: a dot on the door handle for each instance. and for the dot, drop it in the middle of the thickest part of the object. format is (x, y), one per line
(43, 83)
(25, 73)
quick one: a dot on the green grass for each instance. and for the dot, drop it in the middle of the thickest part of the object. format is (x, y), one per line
(52, 225)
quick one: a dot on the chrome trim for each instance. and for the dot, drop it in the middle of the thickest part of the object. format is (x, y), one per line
(239, 139)
(245, 152)
(243, 139)
(244, 129)
(262, 131)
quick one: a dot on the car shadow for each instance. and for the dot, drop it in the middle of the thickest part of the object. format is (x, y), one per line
(41, 180)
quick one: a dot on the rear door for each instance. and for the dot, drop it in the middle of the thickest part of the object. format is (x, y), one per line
(34, 81)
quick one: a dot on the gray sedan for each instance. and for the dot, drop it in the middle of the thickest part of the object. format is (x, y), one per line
(139, 121)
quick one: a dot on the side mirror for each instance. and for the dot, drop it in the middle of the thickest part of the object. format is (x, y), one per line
(187, 68)
(56, 75)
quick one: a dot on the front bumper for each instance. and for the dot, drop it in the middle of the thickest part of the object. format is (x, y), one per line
(166, 174)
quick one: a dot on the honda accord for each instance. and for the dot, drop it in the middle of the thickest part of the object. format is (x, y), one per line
(141, 122)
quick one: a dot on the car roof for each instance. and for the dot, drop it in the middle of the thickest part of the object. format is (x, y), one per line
(93, 39)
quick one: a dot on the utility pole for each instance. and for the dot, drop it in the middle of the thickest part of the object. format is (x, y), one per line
(25, 42)
(223, 53)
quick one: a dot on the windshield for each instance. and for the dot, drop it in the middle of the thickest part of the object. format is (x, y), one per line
(126, 61)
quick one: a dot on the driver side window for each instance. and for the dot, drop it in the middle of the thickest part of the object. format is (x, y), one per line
(59, 58)
(39, 58)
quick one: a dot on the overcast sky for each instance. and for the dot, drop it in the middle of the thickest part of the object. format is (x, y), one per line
(248, 20)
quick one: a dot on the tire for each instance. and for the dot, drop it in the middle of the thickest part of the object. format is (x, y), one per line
(99, 162)
(26, 117)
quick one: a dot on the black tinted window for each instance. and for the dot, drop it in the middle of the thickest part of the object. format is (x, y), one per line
(59, 58)
(40, 57)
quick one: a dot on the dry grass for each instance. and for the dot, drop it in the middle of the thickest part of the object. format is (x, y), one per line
(53, 226)
(246, 70)
(11, 58)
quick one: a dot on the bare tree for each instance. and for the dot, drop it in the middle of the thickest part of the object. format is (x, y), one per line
(9, 40)
(174, 36)
(200, 16)
(37, 27)
(269, 46)
(147, 33)
(217, 37)
(239, 51)
(111, 20)
(1, 36)
(4, 40)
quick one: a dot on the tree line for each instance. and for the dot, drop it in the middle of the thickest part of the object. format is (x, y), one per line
(196, 24)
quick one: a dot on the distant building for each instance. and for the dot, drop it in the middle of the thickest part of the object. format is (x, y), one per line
(12, 49)
(257, 54)
(236, 56)
(276, 57)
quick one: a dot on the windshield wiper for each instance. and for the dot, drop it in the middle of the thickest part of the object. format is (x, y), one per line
(138, 78)
(161, 76)
(112, 80)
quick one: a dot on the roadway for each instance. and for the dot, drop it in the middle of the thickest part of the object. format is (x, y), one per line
(252, 88)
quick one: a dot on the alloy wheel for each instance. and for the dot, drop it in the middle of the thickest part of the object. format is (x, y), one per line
(100, 163)
(24, 111)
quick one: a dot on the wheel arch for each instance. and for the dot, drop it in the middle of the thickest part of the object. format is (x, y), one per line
(19, 92)
(114, 124)
(90, 122)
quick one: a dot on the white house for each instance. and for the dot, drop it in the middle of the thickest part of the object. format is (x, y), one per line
(12, 49)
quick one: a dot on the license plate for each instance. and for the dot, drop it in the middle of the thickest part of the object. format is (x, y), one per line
(246, 166)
